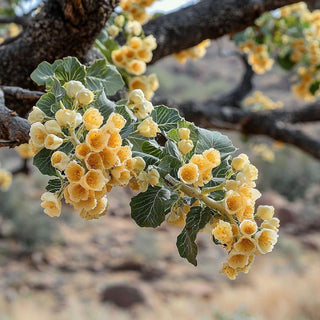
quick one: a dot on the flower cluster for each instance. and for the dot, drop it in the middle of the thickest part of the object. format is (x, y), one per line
(258, 101)
(136, 9)
(195, 52)
(258, 56)
(198, 170)
(239, 233)
(135, 54)
(291, 36)
(5, 180)
(99, 161)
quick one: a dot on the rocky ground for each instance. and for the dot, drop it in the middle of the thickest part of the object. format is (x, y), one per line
(111, 269)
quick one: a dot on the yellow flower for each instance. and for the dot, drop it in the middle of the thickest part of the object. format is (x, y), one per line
(265, 212)
(93, 180)
(148, 128)
(136, 96)
(202, 162)
(184, 133)
(150, 41)
(213, 156)
(124, 153)
(266, 239)
(36, 115)
(97, 140)
(233, 202)
(188, 173)
(84, 96)
(135, 43)
(97, 212)
(153, 176)
(113, 31)
(119, 21)
(115, 140)
(67, 117)
(59, 160)
(52, 127)
(177, 217)
(230, 272)
(73, 87)
(248, 227)
(237, 260)
(136, 67)
(74, 171)
(223, 232)
(238, 163)
(185, 146)
(77, 192)
(82, 150)
(38, 134)
(92, 118)
(94, 161)
(5, 180)
(25, 150)
(51, 204)
(52, 142)
(109, 158)
(115, 122)
(245, 245)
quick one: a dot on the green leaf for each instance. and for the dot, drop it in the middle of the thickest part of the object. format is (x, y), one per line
(45, 102)
(172, 149)
(212, 139)
(169, 164)
(166, 118)
(42, 160)
(197, 218)
(137, 140)
(152, 147)
(103, 76)
(70, 69)
(42, 73)
(219, 173)
(148, 209)
(104, 105)
(148, 158)
(58, 91)
(285, 61)
(314, 87)
(54, 185)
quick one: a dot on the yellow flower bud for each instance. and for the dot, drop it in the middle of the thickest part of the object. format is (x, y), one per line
(184, 133)
(36, 115)
(148, 128)
(119, 21)
(238, 163)
(136, 96)
(67, 117)
(38, 134)
(73, 87)
(153, 176)
(51, 204)
(53, 127)
(85, 96)
(59, 160)
(265, 212)
(113, 31)
(185, 146)
(52, 142)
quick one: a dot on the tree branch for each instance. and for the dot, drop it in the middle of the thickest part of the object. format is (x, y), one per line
(208, 19)
(61, 28)
(13, 129)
